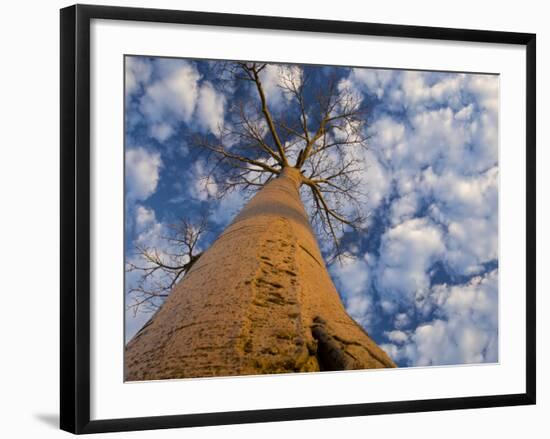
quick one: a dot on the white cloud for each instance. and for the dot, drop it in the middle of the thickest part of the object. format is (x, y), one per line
(392, 350)
(401, 320)
(374, 81)
(210, 108)
(375, 179)
(417, 89)
(273, 76)
(437, 136)
(177, 93)
(397, 336)
(142, 173)
(149, 230)
(388, 136)
(473, 195)
(137, 74)
(465, 113)
(471, 243)
(161, 131)
(352, 274)
(404, 208)
(201, 185)
(485, 88)
(144, 218)
(353, 278)
(173, 96)
(442, 157)
(453, 118)
(468, 207)
(466, 330)
(406, 253)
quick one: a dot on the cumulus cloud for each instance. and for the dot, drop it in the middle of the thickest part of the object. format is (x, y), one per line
(374, 81)
(419, 89)
(173, 96)
(441, 153)
(404, 208)
(388, 139)
(376, 179)
(467, 207)
(407, 252)
(145, 218)
(173, 92)
(465, 330)
(401, 320)
(486, 90)
(202, 186)
(142, 173)
(450, 117)
(437, 137)
(353, 277)
(148, 229)
(210, 108)
(161, 131)
(275, 76)
(137, 73)
(397, 336)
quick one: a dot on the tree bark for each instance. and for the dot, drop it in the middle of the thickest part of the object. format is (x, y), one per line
(259, 300)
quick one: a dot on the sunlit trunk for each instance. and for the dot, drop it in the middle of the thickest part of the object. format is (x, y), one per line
(259, 300)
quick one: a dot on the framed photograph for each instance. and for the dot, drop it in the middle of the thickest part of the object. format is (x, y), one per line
(268, 218)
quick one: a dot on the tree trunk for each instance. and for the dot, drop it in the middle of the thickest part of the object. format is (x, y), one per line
(259, 300)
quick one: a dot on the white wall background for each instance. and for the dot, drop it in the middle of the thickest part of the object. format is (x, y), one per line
(29, 169)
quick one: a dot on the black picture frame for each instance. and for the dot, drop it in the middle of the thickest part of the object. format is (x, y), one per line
(75, 217)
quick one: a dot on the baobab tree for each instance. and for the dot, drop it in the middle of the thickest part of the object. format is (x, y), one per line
(260, 299)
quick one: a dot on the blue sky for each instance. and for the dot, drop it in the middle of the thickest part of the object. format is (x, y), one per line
(424, 280)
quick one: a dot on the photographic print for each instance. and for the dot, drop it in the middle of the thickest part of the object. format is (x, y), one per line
(284, 218)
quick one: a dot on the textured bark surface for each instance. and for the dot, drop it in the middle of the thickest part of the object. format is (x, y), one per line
(259, 300)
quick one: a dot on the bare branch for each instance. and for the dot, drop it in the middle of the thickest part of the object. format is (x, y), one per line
(160, 270)
(267, 114)
(222, 151)
(322, 130)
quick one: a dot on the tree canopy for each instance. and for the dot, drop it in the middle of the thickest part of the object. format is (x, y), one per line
(320, 131)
